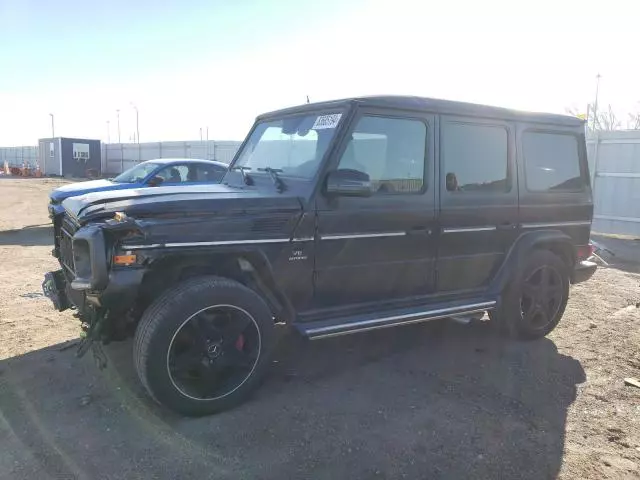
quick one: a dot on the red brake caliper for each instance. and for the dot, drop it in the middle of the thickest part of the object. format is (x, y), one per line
(240, 342)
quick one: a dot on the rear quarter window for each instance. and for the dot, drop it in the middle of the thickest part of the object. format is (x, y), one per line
(552, 162)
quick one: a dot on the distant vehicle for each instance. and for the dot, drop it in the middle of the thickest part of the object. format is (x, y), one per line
(162, 171)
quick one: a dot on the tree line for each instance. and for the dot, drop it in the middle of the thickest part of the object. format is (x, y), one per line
(606, 119)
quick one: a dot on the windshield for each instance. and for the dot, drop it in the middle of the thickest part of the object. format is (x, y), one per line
(137, 173)
(294, 146)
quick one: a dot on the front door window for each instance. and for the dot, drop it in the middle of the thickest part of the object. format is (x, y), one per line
(390, 150)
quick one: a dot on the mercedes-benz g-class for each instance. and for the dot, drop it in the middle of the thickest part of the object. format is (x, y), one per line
(334, 218)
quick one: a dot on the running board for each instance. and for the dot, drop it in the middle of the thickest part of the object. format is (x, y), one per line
(365, 322)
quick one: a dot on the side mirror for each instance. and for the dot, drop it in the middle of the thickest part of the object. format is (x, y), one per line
(155, 181)
(349, 183)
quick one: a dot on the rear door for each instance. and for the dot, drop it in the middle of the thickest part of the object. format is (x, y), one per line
(381, 247)
(478, 200)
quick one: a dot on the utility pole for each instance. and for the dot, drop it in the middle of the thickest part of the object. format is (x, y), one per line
(137, 134)
(137, 122)
(118, 114)
(595, 103)
(53, 130)
(597, 138)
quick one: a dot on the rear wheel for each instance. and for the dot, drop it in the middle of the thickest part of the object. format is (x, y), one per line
(534, 302)
(203, 346)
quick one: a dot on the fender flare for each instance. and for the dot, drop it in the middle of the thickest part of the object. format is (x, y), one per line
(258, 266)
(554, 240)
(252, 263)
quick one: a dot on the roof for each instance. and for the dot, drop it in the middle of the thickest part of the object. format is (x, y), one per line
(433, 105)
(186, 160)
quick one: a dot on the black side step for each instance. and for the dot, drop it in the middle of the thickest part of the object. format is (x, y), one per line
(372, 321)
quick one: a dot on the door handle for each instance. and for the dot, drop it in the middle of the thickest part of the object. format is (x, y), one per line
(419, 231)
(507, 226)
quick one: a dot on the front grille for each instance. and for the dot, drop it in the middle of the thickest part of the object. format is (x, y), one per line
(65, 235)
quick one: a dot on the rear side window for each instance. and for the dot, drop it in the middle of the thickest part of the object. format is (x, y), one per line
(475, 158)
(208, 173)
(552, 162)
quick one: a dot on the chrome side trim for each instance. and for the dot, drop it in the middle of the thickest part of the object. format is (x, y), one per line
(204, 244)
(469, 229)
(363, 235)
(226, 242)
(376, 323)
(555, 224)
(142, 247)
(257, 241)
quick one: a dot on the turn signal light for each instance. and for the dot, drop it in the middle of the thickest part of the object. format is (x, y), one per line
(124, 259)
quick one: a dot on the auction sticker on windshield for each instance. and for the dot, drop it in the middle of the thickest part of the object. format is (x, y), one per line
(326, 121)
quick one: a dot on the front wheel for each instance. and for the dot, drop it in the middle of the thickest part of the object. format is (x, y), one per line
(203, 346)
(535, 301)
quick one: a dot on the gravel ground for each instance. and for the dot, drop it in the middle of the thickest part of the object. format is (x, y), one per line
(412, 402)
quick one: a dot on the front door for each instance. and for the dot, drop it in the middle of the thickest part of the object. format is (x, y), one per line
(381, 247)
(478, 201)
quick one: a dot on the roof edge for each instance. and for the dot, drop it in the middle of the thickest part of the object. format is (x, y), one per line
(425, 104)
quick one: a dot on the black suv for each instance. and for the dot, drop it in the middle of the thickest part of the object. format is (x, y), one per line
(335, 218)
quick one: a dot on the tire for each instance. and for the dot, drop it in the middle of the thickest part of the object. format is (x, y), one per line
(515, 316)
(177, 317)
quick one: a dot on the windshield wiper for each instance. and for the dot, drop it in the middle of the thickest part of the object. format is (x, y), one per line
(246, 179)
(277, 181)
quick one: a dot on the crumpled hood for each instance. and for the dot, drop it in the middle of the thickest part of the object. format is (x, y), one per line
(80, 188)
(192, 199)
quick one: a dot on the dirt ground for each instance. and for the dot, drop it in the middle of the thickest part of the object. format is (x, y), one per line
(412, 402)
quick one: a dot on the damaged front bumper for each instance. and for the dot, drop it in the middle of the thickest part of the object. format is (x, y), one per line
(54, 288)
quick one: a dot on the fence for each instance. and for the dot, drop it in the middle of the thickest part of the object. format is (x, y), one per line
(117, 157)
(614, 161)
(18, 156)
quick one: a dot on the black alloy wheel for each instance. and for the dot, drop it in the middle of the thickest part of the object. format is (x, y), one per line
(204, 345)
(542, 296)
(534, 301)
(214, 352)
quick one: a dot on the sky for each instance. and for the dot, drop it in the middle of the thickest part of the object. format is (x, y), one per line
(188, 65)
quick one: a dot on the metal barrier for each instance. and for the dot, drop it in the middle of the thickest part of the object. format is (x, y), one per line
(614, 161)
